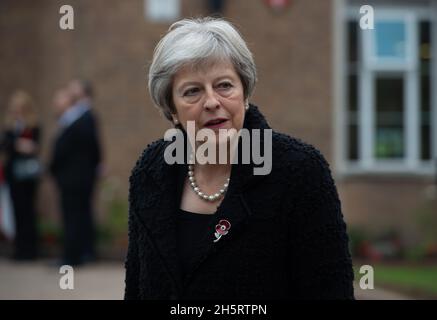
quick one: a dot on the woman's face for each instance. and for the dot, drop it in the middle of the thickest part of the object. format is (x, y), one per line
(213, 92)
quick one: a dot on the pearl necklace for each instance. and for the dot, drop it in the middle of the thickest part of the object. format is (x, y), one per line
(201, 194)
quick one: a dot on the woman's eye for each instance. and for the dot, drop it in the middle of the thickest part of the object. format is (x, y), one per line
(225, 85)
(191, 92)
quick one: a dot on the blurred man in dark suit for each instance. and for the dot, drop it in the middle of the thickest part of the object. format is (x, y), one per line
(75, 165)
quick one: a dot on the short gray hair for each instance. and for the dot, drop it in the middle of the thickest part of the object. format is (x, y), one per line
(194, 42)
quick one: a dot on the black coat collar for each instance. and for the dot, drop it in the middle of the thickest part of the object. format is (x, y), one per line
(158, 212)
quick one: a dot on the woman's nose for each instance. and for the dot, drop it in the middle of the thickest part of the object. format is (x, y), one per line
(211, 101)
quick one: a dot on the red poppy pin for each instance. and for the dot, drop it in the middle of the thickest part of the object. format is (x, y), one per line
(221, 229)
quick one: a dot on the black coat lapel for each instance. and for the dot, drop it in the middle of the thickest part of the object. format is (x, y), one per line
(157, 215)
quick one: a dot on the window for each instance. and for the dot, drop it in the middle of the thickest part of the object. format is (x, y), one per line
(388, 102)
(389, 122)
(162, 10)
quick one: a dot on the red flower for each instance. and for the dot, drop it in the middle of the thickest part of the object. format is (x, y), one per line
(223, 227)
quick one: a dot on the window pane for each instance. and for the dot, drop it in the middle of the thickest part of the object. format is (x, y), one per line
(352, 34)
(353, 139)
(352, 90)
(390, 39)
(425, 96)
(162, 10)
(389, 94)
(353, 93)
(353, 117)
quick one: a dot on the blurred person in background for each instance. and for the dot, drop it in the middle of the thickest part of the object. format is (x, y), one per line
(20, 144)
(74, 164)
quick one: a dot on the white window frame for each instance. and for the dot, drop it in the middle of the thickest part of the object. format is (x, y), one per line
(367, 163)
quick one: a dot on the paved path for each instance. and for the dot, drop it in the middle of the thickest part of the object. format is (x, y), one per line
(37, 280)
(99, 281)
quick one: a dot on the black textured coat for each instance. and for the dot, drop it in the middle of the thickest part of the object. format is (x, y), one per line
(287, 237)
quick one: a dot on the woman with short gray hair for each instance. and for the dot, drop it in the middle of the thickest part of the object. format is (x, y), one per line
(198, 42)
(215, 226)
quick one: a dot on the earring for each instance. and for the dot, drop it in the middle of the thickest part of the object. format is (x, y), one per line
(247, 106)
(176, 122)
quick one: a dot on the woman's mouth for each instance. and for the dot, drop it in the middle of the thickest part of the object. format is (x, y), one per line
(216, 123)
